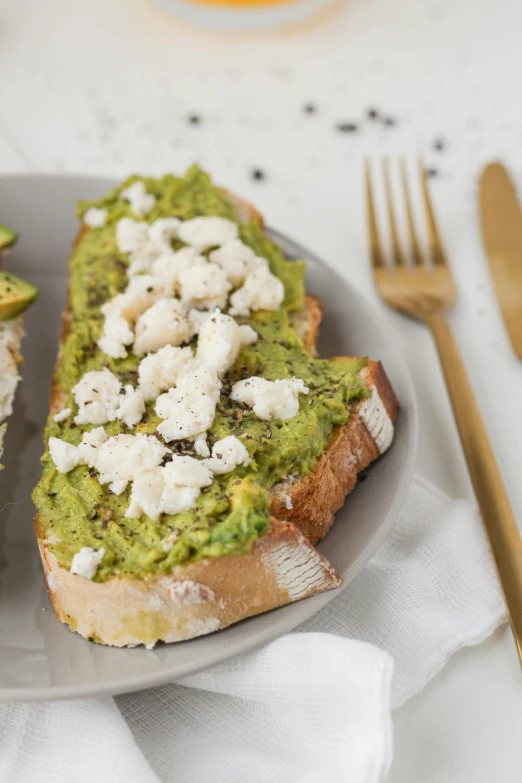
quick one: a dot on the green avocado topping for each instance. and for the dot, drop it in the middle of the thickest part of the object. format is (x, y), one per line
(75, 510)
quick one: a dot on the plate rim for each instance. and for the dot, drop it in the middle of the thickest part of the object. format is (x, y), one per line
(141, 682)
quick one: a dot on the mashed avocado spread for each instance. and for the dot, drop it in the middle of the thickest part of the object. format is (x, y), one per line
(76, 511)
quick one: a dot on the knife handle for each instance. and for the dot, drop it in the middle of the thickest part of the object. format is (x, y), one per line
(497, 514)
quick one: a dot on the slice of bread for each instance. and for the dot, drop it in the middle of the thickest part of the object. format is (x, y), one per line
(282, 565)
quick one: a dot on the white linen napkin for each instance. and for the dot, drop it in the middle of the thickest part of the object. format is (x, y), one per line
(312, 706)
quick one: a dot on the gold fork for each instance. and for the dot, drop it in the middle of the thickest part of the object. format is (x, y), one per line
(424, 289)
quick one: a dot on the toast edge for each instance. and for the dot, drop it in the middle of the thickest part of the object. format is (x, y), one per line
(196, 599)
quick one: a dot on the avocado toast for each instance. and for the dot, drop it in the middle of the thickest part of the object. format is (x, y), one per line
(123, 572)
(15, 296)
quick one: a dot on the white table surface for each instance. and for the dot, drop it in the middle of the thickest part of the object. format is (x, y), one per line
(105, 87)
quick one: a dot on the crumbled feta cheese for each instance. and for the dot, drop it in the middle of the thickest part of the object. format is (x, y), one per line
(185, 414)
(64, 455)
(62, 415)
(145, 497)
(196, 319)
(201, 447)
(205, 286)
(116, 335)
(94, 217)
(97, 397)
(140, 294)
(270, 399)
(187, 472)
(205, 232)
(177, 499)
(261, 291)
(237, 260)
(287, 500)
(158, 371)
(131, 235)
(162, 324)
(140, 201)
(163, 231)
(227, 454)
(195, 376)
(131, 407)
(85, 562)
(123, 458)
(170, 489)
(169, 267)
(91, 442)
(220, 340)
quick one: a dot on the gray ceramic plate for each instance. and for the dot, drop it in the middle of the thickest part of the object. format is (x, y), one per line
(39, 657)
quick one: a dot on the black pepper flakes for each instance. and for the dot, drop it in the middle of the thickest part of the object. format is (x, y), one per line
(258, 174)
(372, 114)
(310, 108)
(194, 119)
(439, 145)
(347, 127)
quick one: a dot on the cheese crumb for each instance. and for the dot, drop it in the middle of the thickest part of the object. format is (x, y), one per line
(116, 335)
(205, 286)
(261, 291)
(94, 217)
(97, 397)
(162, 231)
(201, 447)
(206, 232)
(162, 324)
(237, 260)
(131, 235)
(186, 415)
(131, 407)
(140, 201)
(287, 500)
(62, 415)
(220, 340)
(85, 562)
(227, 454)
(91, 442)
(123, 458)
(170, 489)
(159, 371)
(168, 267)
(189, 409)
(64, 455)
(270, 399)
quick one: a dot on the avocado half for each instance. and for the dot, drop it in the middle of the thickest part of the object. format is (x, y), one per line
(15, 295)
(7, 237)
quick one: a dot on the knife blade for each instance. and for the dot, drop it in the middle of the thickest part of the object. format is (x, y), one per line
(501, 221)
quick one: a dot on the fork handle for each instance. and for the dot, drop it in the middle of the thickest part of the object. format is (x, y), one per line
(497, 514)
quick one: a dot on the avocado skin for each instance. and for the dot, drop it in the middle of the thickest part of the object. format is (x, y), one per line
(15, 295)
(7, 237)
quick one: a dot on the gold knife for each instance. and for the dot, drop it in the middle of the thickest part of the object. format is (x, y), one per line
(501, 219)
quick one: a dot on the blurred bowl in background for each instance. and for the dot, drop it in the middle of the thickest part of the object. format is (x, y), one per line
(245, 15)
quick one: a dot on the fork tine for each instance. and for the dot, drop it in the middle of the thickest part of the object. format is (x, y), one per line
(437, 253)
(416, 253)
(398, 256)
(376, 251)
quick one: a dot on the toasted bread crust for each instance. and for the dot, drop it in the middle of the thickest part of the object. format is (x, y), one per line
(195, 599)
(311, 503)
(282, 566)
